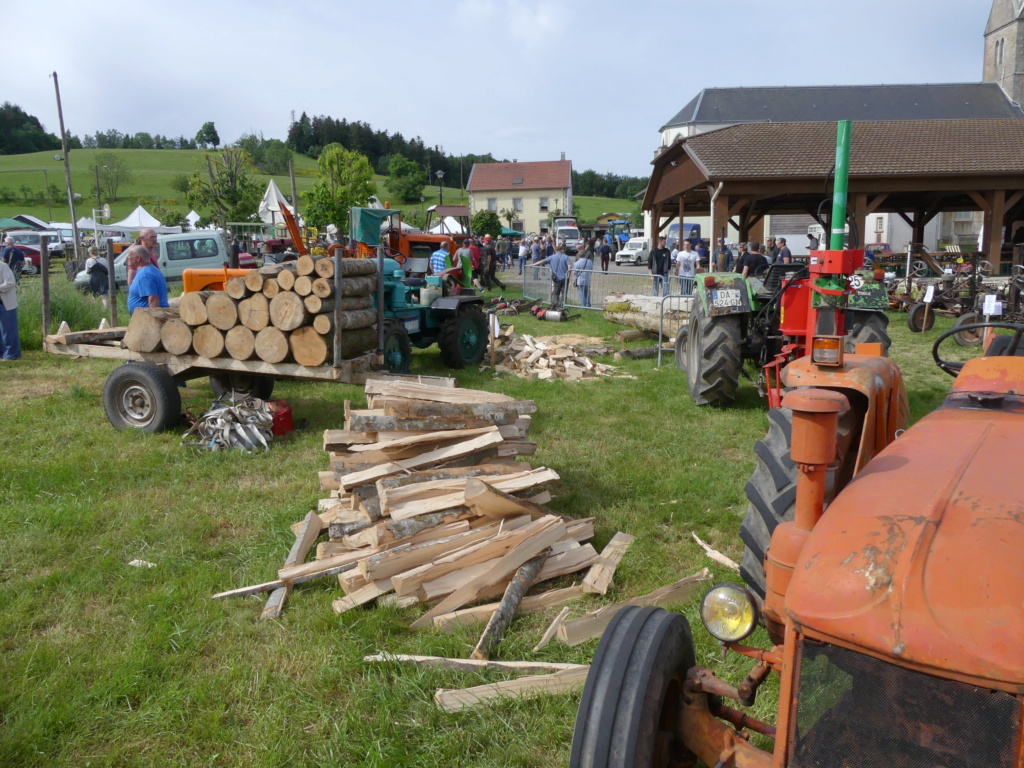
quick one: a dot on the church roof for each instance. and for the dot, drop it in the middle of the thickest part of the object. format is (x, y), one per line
(1003, 12)
(800, 104)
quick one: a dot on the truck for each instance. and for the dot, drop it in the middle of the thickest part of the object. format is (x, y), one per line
(565, 229)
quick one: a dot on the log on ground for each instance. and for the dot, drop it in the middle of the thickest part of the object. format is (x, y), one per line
(222, 311)
(176, 337)
(271, 345)
(208, 341)
(240, 343)
(192, 307)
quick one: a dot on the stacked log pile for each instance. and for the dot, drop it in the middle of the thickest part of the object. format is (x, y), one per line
(529, 358)
(278, 313)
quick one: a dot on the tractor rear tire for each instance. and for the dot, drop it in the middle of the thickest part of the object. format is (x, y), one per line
(714, 357)
(867, 326)
(973, 337)
(634, 692)
(463, 339)
(771, 490)
(141, 396)
(239, 386)
(681, 339)
(397, 347)
(916, 321)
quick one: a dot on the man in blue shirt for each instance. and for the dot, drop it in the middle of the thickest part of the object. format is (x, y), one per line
(149, 288)
(560, 266)
(439, 260)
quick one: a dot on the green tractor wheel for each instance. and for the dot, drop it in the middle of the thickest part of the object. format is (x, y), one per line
(714, 357)
(867, 326)
(463, 339)
(397, 348)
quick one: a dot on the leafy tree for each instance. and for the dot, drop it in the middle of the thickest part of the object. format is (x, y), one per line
(269, 155)
(27, 193)
(486, 223)
(227, 187)
(207, 136)
(21, 132)
(180, 182)
(170, 217)
(406, 179)
(344, 179)
(114, 172)
(509, 216)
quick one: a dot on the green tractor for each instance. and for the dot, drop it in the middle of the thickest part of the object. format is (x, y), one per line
(764, 320)
(420, 311)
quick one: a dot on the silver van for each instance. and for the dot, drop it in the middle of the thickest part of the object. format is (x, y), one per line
(187, 250)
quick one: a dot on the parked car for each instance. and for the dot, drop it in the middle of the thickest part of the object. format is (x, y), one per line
(635, 251)
(178, 252)
(28, 241)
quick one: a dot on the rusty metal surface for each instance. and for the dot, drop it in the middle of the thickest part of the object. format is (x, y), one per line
(715, 741)
(919, 558)
(991, 374)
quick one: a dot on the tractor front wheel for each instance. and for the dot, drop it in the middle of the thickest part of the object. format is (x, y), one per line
(866, 326)
(714, 356)
(397, 348)
(921, 318)
(629, 711)
(972, 337)
(463, 339)
(681, 347)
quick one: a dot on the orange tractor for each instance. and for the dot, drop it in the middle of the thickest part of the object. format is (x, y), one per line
(882, 563)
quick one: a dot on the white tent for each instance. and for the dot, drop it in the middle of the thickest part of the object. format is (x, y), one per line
(86, 223)
(447, 226)
(193, 219)
(272, 203)
(138, 219)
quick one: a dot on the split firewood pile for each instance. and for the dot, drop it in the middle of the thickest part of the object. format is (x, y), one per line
(430, 506)
(278, 313)
(529, 358)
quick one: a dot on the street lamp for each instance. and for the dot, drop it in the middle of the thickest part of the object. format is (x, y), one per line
(440, 194)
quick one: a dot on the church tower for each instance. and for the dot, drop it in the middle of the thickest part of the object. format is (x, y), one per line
(1004, 48)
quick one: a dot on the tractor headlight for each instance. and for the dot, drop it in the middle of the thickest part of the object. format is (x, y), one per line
(729, 612)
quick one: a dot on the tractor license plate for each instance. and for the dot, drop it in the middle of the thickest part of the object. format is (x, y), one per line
(726, 297)
(412, 324)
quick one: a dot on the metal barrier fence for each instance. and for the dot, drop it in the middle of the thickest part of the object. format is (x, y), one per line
(675, 311)
(537, 284)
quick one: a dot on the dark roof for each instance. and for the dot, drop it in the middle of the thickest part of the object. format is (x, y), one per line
(799, 104)
(551, 174)
(912, 147)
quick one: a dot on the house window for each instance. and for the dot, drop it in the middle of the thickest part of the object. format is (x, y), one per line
(880, 224)
(517, 203)
(517, 181)
(999, 51)
(544, 205)
(492, 204)
(518, 225)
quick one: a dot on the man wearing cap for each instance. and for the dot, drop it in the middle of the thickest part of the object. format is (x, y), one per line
(771, 250)
(784, 256)
(723, 257)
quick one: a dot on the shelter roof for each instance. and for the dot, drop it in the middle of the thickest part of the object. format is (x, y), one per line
(548, 174)
(797, 104)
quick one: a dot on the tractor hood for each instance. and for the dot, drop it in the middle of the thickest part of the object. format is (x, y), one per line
(919, 558)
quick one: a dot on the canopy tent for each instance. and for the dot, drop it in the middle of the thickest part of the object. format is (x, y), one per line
(86, 223)
(11, 224)
(366, 223)
(447, 226)
(272, 203)
(193, 219)
(139, 219)
(505, 231)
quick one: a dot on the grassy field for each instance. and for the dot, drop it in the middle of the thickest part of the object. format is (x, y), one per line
(155, 168)
(111, 665)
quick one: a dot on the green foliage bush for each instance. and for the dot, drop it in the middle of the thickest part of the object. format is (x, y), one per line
(79, 310)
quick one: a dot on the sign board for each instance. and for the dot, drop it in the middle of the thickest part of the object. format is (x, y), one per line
(991, 306)
(929, 294)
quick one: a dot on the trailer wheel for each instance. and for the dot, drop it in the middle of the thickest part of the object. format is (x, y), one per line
(867, 326)
(631, 701)
(714, 357)
(972, 337)
(239, 386)
(681, 338)
(397, 348)
(771, 490)
(141, 396)
(916, 318)
(463, 338)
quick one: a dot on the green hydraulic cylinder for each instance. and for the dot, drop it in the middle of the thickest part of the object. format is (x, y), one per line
(840, 190)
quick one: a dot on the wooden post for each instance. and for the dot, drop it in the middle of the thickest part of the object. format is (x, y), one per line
(994, 228)
(112, 285)
(44, 268)
(338, 295)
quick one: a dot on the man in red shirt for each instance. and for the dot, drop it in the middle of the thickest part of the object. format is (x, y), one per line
(474, 259)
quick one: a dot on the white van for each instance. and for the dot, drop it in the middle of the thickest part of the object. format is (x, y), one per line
(635, 251)
(187, 250)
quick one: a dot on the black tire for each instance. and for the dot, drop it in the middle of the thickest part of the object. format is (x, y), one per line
(238, 386)
(916, 320)
(771, 490)
(681, 338)
(397, 348)
(141, 396)
(973, 337)
(463, 338)
(866, 326)
(634, 692)
(714, 354)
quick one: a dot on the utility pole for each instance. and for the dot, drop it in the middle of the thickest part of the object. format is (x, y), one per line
(295, 193)
(67, 167)
(99, 203)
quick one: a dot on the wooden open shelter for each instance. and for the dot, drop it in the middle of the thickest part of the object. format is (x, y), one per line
(916, 169)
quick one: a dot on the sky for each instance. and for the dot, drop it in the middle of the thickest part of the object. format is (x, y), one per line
(522, 79)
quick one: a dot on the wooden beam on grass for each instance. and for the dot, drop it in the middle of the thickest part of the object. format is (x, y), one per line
(549, 633)
(593, 624)
(532, 685)
(475, 665)
(531, 604)
(599, 578)
(500, 620)
(484, 499)
(717, 556)
(312, 525)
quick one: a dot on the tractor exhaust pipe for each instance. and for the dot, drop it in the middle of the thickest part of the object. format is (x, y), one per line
(813, 448)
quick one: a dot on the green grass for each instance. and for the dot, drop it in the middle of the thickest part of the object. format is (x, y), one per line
(106, 664)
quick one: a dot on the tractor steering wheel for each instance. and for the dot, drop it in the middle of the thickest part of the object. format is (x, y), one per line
(952, 367)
